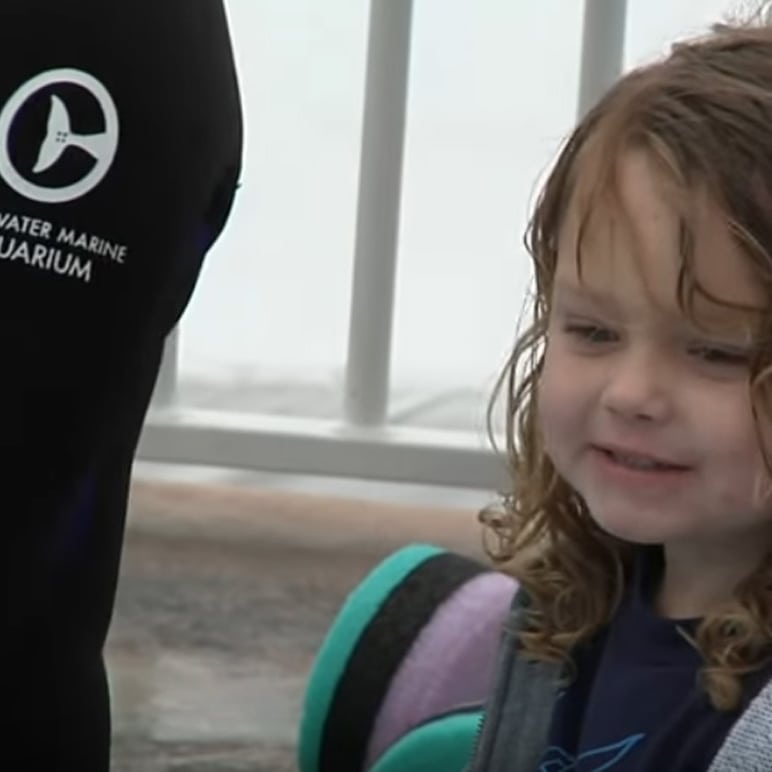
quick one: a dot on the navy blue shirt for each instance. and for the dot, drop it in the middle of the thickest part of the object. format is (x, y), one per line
(636, 705)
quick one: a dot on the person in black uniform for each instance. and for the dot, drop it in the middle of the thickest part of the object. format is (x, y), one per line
(120, 153)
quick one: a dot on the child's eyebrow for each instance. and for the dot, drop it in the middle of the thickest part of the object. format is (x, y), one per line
(739, 326)
(564, 290)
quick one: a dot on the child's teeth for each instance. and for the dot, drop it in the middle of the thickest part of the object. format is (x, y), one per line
(638, 463)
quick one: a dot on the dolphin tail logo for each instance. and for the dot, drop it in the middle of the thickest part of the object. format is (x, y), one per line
(59, 137)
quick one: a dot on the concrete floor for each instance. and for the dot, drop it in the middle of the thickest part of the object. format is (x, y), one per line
(225, 596)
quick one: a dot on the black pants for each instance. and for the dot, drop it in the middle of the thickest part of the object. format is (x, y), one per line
(120, 151)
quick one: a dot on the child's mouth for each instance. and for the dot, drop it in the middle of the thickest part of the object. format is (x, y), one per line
(632, 467)
(643, 463)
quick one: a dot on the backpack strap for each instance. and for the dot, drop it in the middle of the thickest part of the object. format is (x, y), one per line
(406, 666)
(518, 714)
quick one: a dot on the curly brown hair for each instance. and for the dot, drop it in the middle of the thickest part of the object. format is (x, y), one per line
(704, 115)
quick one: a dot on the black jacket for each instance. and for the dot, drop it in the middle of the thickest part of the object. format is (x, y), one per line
(120, 150)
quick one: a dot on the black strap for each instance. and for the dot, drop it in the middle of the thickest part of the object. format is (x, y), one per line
(379, 653)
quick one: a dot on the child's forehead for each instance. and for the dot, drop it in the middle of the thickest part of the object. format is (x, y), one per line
(630, 236)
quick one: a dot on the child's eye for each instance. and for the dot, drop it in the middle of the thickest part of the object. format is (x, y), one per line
(719, 356)
(590, 333)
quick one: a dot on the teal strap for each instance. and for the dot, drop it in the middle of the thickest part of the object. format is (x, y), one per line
(443, 745)
(357, 612)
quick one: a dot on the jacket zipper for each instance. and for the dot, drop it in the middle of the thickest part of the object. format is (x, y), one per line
(478, 737)
(479, 761)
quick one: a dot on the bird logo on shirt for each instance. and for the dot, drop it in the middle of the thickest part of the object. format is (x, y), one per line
(595, 760)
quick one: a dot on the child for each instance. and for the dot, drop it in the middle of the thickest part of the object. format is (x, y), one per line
(640, 434)
(639, 430)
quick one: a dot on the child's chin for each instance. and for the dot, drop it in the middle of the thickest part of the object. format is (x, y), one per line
(640, 533)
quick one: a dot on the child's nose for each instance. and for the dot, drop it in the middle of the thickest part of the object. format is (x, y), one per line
(636, 387)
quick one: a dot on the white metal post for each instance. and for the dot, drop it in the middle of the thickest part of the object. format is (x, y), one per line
(304, 446)
(380, 180)
(603, 47)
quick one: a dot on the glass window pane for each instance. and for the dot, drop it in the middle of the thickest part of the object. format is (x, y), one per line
(493, 90)
(272, 305)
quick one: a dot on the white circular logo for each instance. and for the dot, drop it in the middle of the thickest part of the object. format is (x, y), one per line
(59, 136)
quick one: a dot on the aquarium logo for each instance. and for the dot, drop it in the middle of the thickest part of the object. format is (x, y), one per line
(37, 130)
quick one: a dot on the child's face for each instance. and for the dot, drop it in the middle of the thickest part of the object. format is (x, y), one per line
(625, 369)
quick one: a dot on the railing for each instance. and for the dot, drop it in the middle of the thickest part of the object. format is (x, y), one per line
(364, 445)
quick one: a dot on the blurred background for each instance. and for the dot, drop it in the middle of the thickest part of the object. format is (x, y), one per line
(492, 91)
(323, 400)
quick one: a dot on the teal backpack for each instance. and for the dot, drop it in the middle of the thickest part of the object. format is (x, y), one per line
(402, 676)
